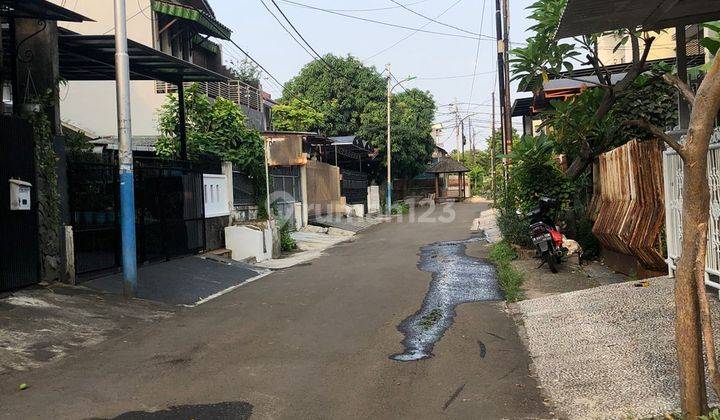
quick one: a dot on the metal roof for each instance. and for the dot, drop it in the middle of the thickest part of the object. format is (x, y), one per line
(39, 9)
(447, 165)
(522, 107)
(589, 75)
(582, 17)
(92, 57)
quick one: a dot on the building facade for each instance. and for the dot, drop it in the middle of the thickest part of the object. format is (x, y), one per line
(186, 29)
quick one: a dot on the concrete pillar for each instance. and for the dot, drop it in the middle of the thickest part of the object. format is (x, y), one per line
(227, 170)
(37, 74)
(304, 194)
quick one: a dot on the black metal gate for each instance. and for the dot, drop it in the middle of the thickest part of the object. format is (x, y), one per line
(285, 191)
(19, 251)
(354, 187)
(169, 205)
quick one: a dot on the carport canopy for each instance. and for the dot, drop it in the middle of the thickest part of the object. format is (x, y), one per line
(582, 17)
(39, 9)
(92, 57)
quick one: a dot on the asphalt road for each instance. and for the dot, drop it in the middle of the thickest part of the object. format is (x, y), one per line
(310, 342)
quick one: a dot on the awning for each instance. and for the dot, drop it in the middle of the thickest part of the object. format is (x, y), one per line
(447, 165)
(206, 24)
(522, 107)
(39, 9)
(92, 57)
(589, 75)
(582, 17)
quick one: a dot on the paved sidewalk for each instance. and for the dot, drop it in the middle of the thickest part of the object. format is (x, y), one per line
(607, 352)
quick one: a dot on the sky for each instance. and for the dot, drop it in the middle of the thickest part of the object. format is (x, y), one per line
(442, 65)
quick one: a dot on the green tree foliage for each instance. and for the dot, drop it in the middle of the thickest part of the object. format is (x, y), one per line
(412, 114)
(245, 71)
(296, 115)
(543, 54)
(341, 96)
(215, 128)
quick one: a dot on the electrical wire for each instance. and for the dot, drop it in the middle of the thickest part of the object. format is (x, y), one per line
(477, 54)
(479, 35)
(378, 8)
(305, 40)
(286, 29)
(411, 34)
(379, 22)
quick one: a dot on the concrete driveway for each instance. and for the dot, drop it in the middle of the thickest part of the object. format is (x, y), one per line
(310, 342)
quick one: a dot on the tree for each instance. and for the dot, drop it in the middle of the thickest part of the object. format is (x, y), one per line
(218, 129)
(693, 324)
(545, 55)
(246, 71)
(412, 114)
(296, 115)
(341, 95)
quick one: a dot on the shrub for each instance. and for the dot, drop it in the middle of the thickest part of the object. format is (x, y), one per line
(509, 279)
(400, 208)
(514, 229)
(287, 243)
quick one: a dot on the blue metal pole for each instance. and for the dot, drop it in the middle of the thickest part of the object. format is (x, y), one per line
(125, 155)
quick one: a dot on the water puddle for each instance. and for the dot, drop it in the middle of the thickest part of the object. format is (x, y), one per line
(224, 410)
(457, 279)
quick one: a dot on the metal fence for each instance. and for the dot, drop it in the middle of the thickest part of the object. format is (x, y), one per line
(234, 90)
(674, 180)
(169, 205)
(19, 246)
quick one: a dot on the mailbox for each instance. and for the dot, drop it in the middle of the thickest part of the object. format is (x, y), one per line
(19, 195)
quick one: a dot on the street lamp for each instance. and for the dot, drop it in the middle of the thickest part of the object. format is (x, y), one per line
(390, 87)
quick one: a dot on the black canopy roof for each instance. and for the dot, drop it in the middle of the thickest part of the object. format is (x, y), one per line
(447, 165)
(39, 9)
(583, 17)
(92, 57)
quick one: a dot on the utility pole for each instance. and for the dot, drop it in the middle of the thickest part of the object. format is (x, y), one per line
(389, 150)
(492, 149)
(458, 134)
(506, 63)
(125, 154)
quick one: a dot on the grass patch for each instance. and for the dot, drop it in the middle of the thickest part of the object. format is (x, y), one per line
(427, 321)
(510, 279)
(400, 208)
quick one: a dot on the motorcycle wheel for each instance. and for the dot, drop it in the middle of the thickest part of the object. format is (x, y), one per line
(550, 260)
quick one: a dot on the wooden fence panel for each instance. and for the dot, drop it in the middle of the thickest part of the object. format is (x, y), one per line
(630, 208)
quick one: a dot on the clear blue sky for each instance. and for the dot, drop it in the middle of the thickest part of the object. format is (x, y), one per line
(426, 56)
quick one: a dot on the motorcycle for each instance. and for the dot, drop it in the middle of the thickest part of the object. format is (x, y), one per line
(545, 235)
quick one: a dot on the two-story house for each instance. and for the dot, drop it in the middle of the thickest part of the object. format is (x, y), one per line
(186, 29)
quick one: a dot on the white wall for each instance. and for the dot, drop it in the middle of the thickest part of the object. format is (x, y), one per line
(91, 105)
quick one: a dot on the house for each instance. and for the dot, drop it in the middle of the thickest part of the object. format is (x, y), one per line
(302, 186)
(185, 29)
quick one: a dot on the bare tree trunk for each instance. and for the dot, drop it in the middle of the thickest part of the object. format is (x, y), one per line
(693, 324)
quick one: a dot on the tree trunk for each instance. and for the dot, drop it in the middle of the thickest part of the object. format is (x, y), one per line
(687, 321)
(690, 274)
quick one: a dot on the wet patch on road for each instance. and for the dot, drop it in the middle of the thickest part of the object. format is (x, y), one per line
(457, 279)
(223, 410)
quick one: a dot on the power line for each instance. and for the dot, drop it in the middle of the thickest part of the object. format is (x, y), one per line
(411, 34)
(378, 8)
(286, 29)
(477, 54)
(305, 40)
(479, 35)
(379, 22)
(461, 76)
